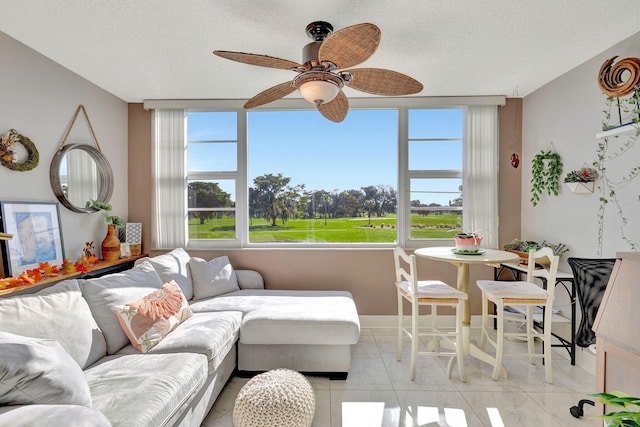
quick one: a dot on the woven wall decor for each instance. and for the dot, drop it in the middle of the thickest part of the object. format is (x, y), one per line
(610, 77)
(7, 151)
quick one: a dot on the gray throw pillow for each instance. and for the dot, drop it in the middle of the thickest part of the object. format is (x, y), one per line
(173, 266)
(212, 278)
(59, 313)
(105, 293)
(39, 371)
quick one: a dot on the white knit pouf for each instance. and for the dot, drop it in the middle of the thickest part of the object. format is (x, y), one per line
(280, 397)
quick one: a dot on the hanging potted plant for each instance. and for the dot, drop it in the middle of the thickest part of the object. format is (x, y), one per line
(111, 243)
(581, 181)
(545, 175)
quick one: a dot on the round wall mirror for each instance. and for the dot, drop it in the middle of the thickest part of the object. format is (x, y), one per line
(80, 173)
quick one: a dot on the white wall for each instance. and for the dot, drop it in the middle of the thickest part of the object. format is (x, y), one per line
(38, 98)
(565, 115)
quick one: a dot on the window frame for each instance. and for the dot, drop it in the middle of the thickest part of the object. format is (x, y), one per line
(402, 104)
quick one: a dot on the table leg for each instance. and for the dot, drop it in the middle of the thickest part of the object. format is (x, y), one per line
(467, 347)
(463, 285)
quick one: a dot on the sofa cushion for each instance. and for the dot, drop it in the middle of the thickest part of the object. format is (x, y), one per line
(60, 313)
(35, 370)
(145, 389)
(52, 416)
(173, 266)
(249, 279)
(148, 320)
(211, 334)
(290, 317)
(212, 278)
(104, 293)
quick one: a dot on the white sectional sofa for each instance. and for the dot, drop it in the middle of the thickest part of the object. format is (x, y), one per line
(83, 370)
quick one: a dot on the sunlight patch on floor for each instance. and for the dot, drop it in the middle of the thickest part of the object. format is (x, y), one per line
(357, 414)
(494, 417)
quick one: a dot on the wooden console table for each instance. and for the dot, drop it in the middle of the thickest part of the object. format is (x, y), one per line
(96, 270)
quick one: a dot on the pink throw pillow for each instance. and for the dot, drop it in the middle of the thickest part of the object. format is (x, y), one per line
(148, 320)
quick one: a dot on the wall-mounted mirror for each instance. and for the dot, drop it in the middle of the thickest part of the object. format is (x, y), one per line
(79, 173)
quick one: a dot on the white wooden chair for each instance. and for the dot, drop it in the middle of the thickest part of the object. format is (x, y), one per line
(527, 295)
(433, 293)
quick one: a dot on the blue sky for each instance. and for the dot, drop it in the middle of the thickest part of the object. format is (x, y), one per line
(311, 150)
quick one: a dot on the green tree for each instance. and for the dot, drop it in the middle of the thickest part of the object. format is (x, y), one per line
(271, 198)
(206, 195)
(381, 199)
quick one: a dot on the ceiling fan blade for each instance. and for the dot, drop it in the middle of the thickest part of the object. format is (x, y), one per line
(336, 110)
(272, 94)
(379, 81)
(351, 45)
(255, 59)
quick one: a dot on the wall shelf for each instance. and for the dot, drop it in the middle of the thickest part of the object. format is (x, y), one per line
(96, 270)
(617, 131)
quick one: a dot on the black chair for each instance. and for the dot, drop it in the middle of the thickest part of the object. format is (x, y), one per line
(591, 276)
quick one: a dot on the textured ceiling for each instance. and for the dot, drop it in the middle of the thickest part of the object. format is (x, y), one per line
(161, 49)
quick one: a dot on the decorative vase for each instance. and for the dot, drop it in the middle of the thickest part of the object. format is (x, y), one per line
(111, 244)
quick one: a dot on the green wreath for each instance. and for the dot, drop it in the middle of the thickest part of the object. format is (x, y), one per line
(33, 157)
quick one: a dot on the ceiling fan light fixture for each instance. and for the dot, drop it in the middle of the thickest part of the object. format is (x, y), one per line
(318, 87)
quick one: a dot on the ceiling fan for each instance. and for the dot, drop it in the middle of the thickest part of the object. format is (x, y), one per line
(323, 73)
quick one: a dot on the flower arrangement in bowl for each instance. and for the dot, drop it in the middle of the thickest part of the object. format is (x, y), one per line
(522, 248)
(581, 180)
(467, 242)
(582, 175)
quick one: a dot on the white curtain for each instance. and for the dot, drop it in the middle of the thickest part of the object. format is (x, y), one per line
(480, 182)
(82, 177)
(169, 179)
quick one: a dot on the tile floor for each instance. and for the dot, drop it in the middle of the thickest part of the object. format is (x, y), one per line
(379, 393)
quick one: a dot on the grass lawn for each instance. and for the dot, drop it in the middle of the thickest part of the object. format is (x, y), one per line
(338, 230)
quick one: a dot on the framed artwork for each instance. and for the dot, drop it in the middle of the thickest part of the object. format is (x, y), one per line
(133, 232)
(37, 235)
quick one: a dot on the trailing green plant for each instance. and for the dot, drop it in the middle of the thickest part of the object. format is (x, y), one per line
(629, 416)
(105, 208)
(546, 168)
(610, 149)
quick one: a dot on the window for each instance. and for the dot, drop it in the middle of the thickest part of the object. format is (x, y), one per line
(212, 172)
(314, 181)
(384, 176)
(435, 148)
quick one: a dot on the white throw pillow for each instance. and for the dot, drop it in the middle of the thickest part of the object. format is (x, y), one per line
(212, 278)
(59, 313)
(105, 293)
(173, 266)
(39, 371)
